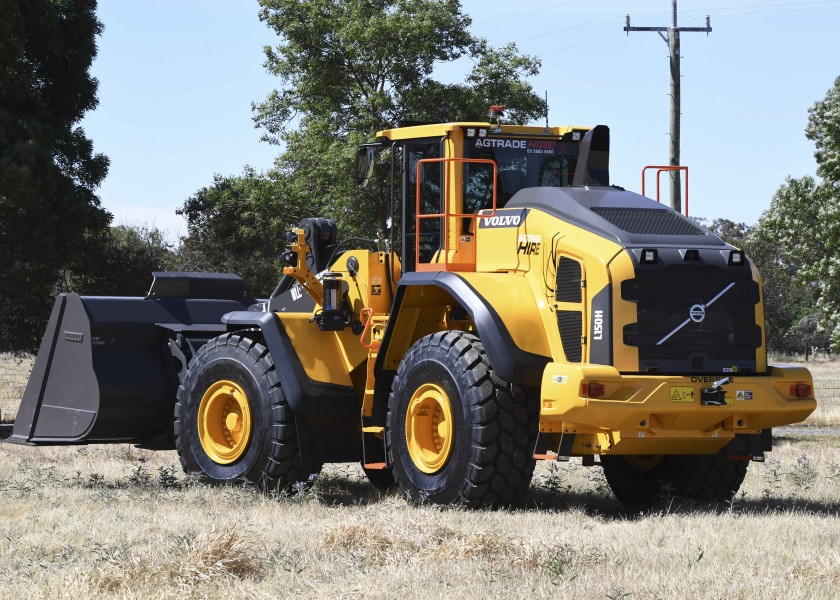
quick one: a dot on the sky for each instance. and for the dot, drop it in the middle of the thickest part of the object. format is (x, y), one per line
(177, 79)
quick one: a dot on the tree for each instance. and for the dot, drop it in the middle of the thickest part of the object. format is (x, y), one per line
(773, 246)
(807, 335)
(796, 243)
(731, 232)
(50, 217)
(793, 244)
(237, 225)
(129, 255)
(824, 130)
(348, 69)
(350, 64)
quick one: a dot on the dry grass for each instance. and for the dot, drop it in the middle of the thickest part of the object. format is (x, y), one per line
(14, 372)
(114, 521)
(117, 522)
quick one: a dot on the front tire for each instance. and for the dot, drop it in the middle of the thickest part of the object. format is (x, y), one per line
(456, 432)
(232, 419)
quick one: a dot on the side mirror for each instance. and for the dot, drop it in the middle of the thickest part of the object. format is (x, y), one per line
(364, 165)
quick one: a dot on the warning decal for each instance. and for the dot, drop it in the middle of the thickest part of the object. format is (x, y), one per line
(682, 394)
(743, 394)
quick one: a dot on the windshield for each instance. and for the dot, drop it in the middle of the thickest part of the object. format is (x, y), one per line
(522, 162)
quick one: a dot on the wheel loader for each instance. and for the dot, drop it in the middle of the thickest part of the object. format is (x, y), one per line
(519, 308)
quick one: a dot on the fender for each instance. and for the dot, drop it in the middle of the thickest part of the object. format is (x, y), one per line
(511, 362)
(327, 416)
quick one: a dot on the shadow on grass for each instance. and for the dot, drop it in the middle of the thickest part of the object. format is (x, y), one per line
(608, 507)
(350, 489)
(340, 491)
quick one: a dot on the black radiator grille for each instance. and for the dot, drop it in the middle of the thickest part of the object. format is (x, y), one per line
(724, 335)
(568, 280)
(651, 221)
(570, 323)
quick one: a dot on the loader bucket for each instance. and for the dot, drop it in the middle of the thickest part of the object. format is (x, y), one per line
(104, 371)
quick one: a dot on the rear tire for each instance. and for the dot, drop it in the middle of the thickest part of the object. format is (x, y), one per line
(457, 433)
(644, 482)
(236, 374)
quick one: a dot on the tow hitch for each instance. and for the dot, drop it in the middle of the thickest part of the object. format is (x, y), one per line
(715, 395)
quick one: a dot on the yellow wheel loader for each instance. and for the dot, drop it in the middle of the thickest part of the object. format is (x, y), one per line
(522, 308)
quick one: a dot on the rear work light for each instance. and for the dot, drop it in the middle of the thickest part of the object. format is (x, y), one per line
(592, 390)
(801, 390)
(649, 256)
(736, 257)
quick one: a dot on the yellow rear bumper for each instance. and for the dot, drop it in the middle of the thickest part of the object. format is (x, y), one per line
(662, 414)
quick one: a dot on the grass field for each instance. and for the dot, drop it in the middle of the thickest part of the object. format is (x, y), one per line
(14, 373)
(115, 521)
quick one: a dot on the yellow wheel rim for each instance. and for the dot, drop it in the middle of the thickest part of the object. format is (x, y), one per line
(429, 428)
(224, 422)
(642, 462)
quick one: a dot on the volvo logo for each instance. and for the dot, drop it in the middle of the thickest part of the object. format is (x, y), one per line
(697, 313)
(507, 218)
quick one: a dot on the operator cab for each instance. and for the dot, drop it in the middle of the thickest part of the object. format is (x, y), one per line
(443, 176)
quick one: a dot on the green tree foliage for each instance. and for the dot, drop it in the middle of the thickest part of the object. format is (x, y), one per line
(50, 217)
(346, 70)
(824, 130)
(237, 225)
(730, 231)
(796, 243)
(351, 68)
(129, 255)
(350, 63)
(778, 247)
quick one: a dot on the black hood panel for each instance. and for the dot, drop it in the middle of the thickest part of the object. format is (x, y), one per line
(618, 215)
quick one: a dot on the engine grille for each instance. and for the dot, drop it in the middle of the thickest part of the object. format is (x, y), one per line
(648, 221)
(570, 323)
(724, 336)
(568, 280)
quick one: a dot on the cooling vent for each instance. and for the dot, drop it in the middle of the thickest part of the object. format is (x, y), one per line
(657, 221)
(570, 323)
(568, 280)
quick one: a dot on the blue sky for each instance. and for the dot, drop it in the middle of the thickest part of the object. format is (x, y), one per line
(176, 82)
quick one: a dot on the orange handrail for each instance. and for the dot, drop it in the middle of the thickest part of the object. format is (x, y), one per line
(446, 215)
(661, 169)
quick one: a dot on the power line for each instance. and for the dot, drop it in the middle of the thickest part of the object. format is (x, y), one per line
(529, 12)
(598, 22)
(177, 112)
(765, 12)
(192, 89)
(750, 7)
(615, 37)
(170, 125)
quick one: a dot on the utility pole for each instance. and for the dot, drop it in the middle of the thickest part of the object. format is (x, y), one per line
(672, 38)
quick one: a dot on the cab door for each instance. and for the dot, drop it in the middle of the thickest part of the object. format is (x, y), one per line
(431, 198)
